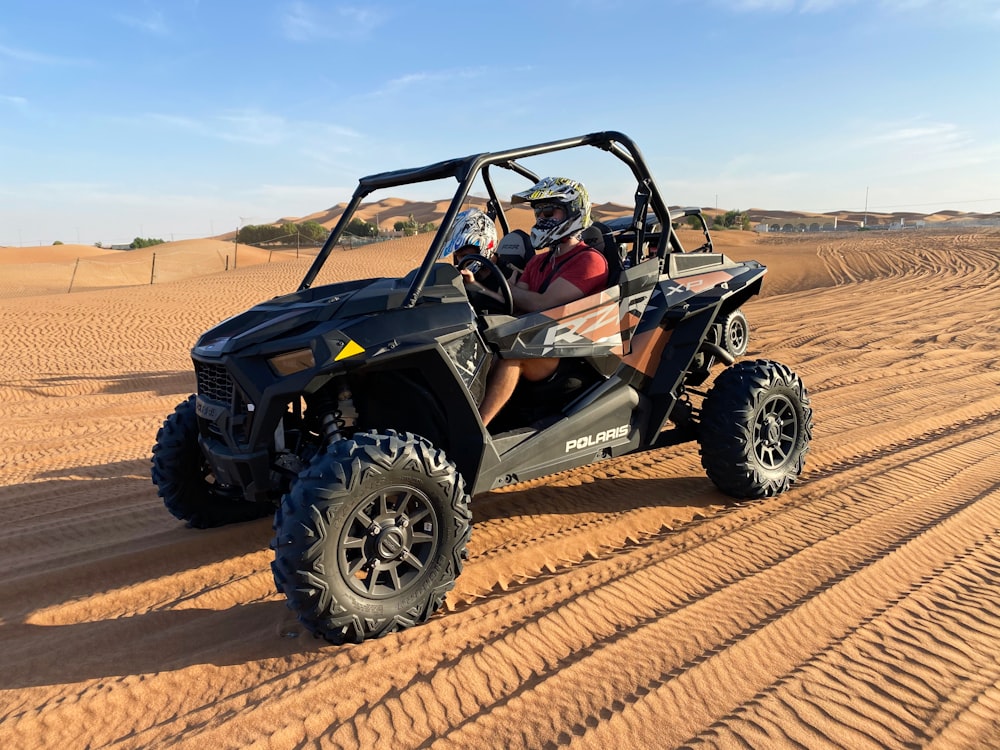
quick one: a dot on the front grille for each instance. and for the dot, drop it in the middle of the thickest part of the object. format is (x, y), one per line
(214, 382)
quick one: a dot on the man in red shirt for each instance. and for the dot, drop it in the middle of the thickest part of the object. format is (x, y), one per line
(569, 271)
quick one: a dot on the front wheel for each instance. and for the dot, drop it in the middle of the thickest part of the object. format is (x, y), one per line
(185, 481)
(756, 424)
(371, 536)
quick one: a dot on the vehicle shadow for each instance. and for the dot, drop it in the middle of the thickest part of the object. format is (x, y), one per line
(157, 547)
(161, 383)
(70, 538)
(608, 495)
(148, 643)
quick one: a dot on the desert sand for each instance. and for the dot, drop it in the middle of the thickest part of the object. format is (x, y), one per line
(627, 605)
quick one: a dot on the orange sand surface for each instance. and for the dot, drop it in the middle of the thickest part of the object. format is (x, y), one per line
(624, 605)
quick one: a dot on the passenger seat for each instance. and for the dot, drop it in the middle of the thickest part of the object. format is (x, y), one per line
(599, 237)
(514, 249)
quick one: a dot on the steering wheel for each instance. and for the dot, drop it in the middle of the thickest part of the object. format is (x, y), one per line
(503, 285)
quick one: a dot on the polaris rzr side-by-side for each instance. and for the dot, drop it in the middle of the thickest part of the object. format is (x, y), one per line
(349, 410)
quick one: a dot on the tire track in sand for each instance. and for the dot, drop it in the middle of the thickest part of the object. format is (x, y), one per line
(775, 613)
(687, 590)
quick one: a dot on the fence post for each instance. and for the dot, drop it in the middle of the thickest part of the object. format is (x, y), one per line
(73, 276)
(152, 270)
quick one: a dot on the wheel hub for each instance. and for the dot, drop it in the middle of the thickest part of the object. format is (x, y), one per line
(390, 544)
(387, 542)
(775, 432)
(772, 431)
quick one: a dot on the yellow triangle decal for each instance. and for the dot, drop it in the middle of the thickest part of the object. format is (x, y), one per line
(350, 349)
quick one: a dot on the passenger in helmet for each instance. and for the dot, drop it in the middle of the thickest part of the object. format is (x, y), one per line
(568, 194)
(571, 269)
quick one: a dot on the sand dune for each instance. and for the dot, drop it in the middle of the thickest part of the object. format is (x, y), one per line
(65, 269)
(622, 605)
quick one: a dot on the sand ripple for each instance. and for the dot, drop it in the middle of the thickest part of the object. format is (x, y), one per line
(622, 605)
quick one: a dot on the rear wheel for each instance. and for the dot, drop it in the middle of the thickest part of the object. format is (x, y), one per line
(185, 481)
(735, 333)
(371, 536)
(756, 424)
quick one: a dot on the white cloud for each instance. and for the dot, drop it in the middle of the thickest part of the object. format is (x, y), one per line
(38, 58)
(152, 23)
(922, 146)
(14, 101)
(411, 81)
(311, 197)
(303, 22)
(251, 127)
(946, 9)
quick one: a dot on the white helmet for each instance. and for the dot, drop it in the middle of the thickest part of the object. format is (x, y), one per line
(571, 195)
(472, 227)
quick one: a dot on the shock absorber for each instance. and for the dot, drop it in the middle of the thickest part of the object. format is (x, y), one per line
(340, 416)
(332, 425)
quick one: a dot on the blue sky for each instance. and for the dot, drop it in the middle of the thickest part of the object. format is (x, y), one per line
(180, 119)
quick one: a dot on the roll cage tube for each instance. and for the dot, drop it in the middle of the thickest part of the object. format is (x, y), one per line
(366, 186)
(494, 206)
(465, 171)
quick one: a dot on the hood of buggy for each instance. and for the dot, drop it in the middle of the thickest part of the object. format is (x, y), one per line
(371, 307)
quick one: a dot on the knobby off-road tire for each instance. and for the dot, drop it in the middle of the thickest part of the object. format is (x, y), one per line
(735, 333)
(756, 424)
(371, 536)
(184, 479)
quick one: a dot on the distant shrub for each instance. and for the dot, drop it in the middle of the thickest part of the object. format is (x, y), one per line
(144, 242)
(57, 242)
(411, 227)
(408, 227)
(732, 220)
(288, 233)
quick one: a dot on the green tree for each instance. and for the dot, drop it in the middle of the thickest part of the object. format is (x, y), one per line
(736, 219)
(259, 234)
(313, 231)
(289, 233)
(57, 242)
(408, 227)
(361, 228)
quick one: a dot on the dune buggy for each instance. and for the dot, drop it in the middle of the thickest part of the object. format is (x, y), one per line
(350, 408)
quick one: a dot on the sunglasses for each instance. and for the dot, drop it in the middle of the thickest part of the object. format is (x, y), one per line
(546, 210)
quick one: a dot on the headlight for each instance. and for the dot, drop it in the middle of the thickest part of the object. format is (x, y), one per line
(290, 363)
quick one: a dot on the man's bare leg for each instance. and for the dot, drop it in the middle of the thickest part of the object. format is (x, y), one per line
(503, 381)
(500, 387)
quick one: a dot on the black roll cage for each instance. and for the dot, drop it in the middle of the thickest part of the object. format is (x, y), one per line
(466, 169)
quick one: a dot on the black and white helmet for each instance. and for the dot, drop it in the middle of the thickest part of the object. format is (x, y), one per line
(569, 194)
(472, 227)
